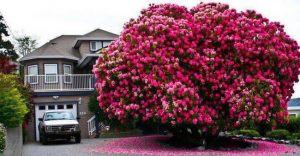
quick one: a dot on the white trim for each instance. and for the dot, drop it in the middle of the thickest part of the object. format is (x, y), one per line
(293, 114)
(67, 65)
(293, 108)
(56, 74)
(37, 68)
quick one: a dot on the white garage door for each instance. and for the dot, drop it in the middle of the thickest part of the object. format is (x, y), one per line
(41, 108)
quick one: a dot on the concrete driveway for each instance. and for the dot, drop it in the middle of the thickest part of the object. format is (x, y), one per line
(62, 148)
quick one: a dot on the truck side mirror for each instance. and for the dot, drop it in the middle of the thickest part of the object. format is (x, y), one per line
(40, 119)
(78, 118)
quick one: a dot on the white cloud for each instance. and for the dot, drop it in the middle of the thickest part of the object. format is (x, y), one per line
(46, 19)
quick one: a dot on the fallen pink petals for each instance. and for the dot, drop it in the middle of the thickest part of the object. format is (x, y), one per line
(152, 145)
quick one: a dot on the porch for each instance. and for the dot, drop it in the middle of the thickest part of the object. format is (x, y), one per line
(70, 82)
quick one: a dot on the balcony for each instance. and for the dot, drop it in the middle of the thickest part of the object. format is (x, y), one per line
(70, 82)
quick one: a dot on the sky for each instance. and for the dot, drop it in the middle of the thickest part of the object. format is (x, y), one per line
(47, 19)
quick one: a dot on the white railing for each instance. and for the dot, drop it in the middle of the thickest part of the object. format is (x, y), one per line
(91, 125)
(73, 82)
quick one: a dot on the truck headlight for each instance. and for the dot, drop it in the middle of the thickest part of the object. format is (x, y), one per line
(48, 128)
(76, 127)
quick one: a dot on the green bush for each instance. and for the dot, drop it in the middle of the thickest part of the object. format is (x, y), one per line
(294, 136)
(249, 132)
(278, 134)
(12, 103)
(2, 138)
(294, 124)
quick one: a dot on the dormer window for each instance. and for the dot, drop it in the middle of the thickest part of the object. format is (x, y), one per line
(106, 43)
(95, 45)
(98, 45)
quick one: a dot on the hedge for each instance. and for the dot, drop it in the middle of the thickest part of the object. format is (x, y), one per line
(278, 134)
(248, 132)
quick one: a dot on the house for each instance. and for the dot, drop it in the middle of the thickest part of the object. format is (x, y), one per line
(294, 107)
(60, 75)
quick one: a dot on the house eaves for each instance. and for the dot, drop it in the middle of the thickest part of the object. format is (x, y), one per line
(47, 57)
(86, 59)
(78, 41)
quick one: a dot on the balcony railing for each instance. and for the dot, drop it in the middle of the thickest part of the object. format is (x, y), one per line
(71, 82)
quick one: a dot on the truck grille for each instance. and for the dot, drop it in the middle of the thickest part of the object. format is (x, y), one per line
(65, 128)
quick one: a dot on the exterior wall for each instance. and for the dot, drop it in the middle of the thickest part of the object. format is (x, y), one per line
(84, 48)
(41, 62)
(297, 112)
(83, 112)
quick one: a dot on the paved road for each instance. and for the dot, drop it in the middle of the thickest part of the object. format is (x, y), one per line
(63, 148)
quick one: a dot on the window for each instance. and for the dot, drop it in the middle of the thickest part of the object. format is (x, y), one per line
(32, 74)
(292, 114)
(51, 107)
(51, 73)
(60, 106)
(59, 116)
(42, 107)
(95, 45)
(106, 43)
(69, 106)
(67, 73)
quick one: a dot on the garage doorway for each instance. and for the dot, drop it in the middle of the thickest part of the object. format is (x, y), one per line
(41, 108)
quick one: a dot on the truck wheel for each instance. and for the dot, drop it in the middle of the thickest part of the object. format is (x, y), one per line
(78, 139)
(44, 139)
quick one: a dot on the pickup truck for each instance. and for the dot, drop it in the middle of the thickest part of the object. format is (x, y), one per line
(59, 125)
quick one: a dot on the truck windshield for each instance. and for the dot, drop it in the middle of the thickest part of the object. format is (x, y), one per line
(59, 116)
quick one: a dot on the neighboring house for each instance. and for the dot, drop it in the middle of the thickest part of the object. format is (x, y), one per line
(294, 107)
(60, 74)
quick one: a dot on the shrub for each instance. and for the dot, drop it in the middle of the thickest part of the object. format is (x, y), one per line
(294, 136)
(2, 138)
(210, 67)
(278, 134)
(248, 132)
(12, 104)
(293, 125)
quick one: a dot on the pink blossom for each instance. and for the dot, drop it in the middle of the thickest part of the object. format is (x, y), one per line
(210, 63)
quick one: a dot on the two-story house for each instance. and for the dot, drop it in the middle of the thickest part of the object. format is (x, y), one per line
(60, 75)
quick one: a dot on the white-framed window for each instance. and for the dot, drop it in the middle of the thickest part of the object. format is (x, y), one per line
(106, 43)
(32, 74)
(67, 73)
(95, 45)
(50, 73)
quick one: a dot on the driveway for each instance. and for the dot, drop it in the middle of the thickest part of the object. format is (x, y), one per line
(63, 148)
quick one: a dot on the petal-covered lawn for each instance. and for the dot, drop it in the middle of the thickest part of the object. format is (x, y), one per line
(153, 145)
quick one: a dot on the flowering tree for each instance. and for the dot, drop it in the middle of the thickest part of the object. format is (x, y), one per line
(6, 65)
(211, 68)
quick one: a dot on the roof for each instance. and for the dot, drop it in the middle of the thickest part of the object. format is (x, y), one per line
(294, 104)
(97, 34)
(58, 47)
(63, 46)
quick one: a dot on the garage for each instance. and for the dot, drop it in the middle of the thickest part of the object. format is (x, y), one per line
(41, 108)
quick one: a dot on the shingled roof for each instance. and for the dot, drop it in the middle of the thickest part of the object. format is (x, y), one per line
(63, 46)
(294, 102)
